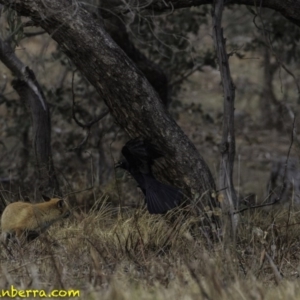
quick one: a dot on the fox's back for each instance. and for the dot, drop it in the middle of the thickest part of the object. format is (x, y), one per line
(17, 214)
(22, 217)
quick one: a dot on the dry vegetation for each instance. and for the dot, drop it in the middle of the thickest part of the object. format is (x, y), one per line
(132, 255)
(129, 254)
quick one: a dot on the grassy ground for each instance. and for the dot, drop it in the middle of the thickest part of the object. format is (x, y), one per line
(133, 255)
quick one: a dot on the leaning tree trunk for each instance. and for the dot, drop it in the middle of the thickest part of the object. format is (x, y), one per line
(128, 94)
(31, 93)
(46, 181)
(116, 28)
(115, 25)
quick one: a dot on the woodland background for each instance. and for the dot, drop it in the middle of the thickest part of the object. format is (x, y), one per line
(103, 247)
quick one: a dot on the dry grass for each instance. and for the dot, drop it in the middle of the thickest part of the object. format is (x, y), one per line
(134, 255)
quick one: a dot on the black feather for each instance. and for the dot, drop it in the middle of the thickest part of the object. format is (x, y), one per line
(140, 156)
(161, 197)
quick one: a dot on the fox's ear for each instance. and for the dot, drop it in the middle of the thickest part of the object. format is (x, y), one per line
(60, 203)
(46, 198)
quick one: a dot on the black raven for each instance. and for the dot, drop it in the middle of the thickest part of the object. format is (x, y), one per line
(140, 156)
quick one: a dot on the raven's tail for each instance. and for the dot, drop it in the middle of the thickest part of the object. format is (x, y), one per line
(161, 197)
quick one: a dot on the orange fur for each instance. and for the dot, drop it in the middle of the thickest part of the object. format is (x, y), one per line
(20, 218)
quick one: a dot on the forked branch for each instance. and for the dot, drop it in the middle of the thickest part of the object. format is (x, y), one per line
(86, 126)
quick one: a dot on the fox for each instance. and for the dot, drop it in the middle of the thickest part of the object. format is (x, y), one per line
(26, 221)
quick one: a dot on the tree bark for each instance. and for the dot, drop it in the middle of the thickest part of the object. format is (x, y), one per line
(128, 94)
(30, 92)
(116, 28)
(12, 62)
(229, 199)
(46, 181)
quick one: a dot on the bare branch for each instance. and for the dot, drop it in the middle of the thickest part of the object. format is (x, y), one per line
(12, 62)
(186, 75)
(228, 136)
(278, 276)
(88, 125)
(32, 34)
(269, 44)
(41, 136)
(288, 8)
(283, 179)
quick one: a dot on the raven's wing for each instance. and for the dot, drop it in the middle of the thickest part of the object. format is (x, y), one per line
(140, 152)
(161, 197)
(152, 150)
(140, 155)
(154, 204)
(138, 176)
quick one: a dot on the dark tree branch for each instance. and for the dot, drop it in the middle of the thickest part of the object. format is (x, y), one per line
(30, 92)
(186, 75)
(288, 8)
(116, 28)
(41, 140)
(92, 122)
(12, 62)
(32, 34)
(88, 125)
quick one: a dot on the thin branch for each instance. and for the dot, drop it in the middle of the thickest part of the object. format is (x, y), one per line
(256, 206)
(288, 10)
(87, 135)
(269, 44)
(32, 34)
(278, 276)
(3, 88)
(80, 191)
(3, 99)
(283, 180)
(185, 76)
(288, 156)
(86, 126)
